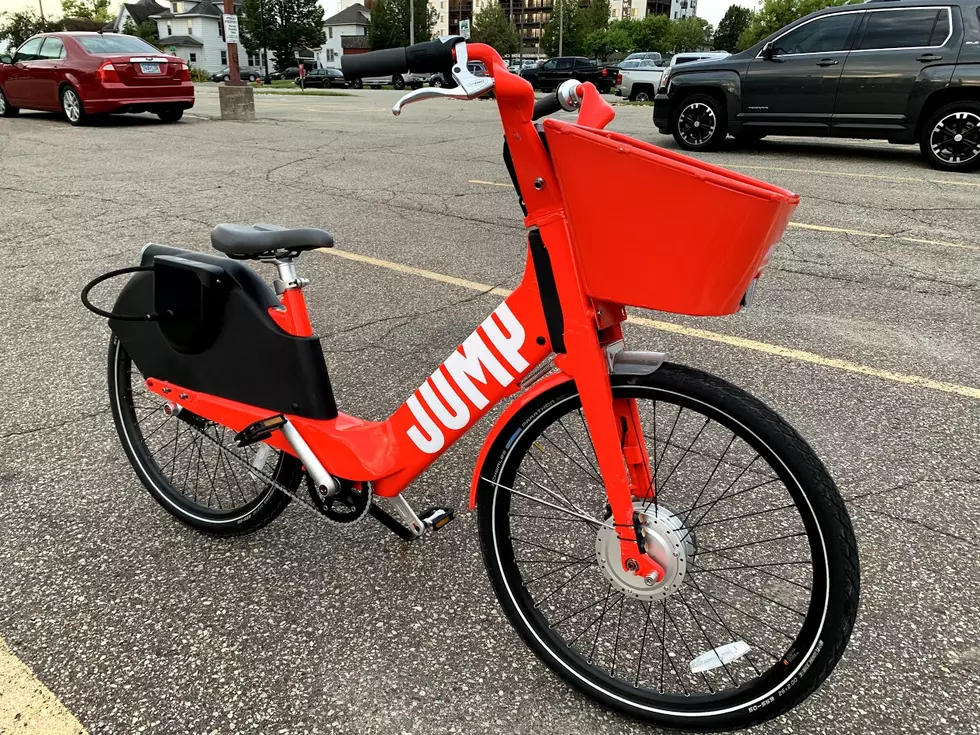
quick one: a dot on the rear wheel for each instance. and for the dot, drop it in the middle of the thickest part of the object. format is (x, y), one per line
(252, 78)
(192, 466)
(641, 95)
(357, 84)
(761, 586)
(6, 109)
(951, 137)
(71, 105)
(437, 82)
(700, 124)
(398, 82)
(170, 114)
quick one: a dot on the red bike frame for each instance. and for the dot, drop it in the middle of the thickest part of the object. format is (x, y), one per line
(493, 360)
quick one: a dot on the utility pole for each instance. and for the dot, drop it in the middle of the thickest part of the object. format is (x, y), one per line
(561, 25)
(411, 22)
(234, 97)
(40, 4)
(265, 46)
(234, 70)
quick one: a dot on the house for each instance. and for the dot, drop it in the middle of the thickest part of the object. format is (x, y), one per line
(352, 21)
(137, 13)
(195, 32)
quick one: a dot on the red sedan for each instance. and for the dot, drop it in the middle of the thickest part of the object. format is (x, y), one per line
(87, 74)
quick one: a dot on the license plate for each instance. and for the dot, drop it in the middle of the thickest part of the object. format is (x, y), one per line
(150, 68)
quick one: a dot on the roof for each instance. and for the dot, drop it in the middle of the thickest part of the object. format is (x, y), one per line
(81, 24)
(141, 11)
(179, 41)
(354, 42)
(353, 15)
(205, 8)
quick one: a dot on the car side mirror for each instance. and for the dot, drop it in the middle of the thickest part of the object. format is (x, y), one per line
(5, 59)
(768, 51)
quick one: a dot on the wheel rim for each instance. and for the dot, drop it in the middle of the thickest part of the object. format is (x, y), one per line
(955, 139)
(700, 615)
(3, 103)
(696, 123)
(437, 83)
(642, 97)
(187, 459)
(73, 108)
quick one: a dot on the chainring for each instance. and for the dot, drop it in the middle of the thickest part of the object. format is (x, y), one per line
(348, 505)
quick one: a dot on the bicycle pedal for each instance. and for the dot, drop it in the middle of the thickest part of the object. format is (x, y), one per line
(436, 517)
(259, 430)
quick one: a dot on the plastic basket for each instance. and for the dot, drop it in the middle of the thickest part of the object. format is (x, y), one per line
(685, 237)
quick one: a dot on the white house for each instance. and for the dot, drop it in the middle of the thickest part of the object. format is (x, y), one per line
(195, 32)
(138, 12)
(351, 21)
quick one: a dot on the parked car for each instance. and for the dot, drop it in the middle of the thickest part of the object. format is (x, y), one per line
(641, 82)
(323, 78)
(291, 72)
(439, 79)
(654, 56)
(516, 66)
(247, 74)
(555, 71)
(87, 74)
(398, 81)
(904, 71)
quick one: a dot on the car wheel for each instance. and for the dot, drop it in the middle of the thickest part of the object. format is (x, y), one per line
(226, 78)
(436, 83)
(7, 109)
(951, 137)
(170, 114)
(700, 123)
(357, 84)
(71, 105)
(641, 95)
(252, 78)
(398, 82)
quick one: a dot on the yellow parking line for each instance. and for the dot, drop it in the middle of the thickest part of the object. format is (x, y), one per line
(26, 705)
(878, 177)
(826, 228)
(703, 334)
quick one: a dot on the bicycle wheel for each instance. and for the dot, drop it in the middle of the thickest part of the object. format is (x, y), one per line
(192, 466)
(761, 586)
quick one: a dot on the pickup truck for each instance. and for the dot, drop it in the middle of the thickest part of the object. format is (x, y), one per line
(640, 82)
(906, 71)
(553, 72)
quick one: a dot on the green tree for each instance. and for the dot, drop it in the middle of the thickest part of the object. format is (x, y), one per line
(15, 28)
(653, 33)
(97, 10)
(390, 23)
(594, 16)
(492, 27)
(290, 25)
(774, 14)
(147, 30)
(690, 34)
(564, 33)
(731, 27)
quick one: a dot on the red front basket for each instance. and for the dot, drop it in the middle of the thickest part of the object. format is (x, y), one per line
(692, 237)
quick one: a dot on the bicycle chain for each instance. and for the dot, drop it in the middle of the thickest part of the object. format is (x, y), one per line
(305, 501)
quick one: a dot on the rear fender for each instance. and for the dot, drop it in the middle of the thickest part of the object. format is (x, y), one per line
(519, 403)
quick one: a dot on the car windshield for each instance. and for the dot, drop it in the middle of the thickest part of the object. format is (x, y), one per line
(115, 44)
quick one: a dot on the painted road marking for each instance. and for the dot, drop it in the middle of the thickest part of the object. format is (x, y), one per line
(878, 177)
(826, 228)
(727, 339)
(26, 705)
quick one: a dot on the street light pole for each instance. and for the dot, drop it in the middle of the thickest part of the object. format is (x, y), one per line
(411, 22)
(561, 26)
(40, 4)
(265, 47)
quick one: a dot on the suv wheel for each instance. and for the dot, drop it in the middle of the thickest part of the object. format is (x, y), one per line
(951, 137)
(700, 124)
(398, 82)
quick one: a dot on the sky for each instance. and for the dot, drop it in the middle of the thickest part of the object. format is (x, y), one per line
(710, 10)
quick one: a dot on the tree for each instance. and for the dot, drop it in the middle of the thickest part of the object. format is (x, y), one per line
(564, 34)
(653, 33)
(290, 25)
(97, 10)
(147, 30)
(15, 28)
(774, 14)
(690, 34)
(731, 27)
(594, 16)
(390, 23)
(492, 27)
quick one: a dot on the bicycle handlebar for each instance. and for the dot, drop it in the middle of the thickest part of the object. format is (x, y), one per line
(547, 106)
(428, 57)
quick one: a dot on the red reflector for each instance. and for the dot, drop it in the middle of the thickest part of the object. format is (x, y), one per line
(619, 79)
(107, 73)
(605, 72)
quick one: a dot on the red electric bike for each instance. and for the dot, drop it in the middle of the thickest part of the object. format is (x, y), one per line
(663, 541)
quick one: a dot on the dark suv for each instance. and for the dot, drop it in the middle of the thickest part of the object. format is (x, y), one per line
(553, 72)
(900, 70)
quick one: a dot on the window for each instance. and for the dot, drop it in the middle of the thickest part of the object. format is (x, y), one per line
(192, 58)
(29, 51)
(613, 12)
(190, 27)
(329, 31)
(550, 64)
(224, 58)
(53, 48)
(174, 7)
(913, 28)
(112, 43)
(565, 63)
(170, 30)
(331, 54)
(820, 36)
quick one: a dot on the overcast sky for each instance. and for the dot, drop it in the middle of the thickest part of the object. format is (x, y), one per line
(710, 10)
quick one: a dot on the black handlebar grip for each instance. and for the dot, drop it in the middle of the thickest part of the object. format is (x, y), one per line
(383, 63)
(432, 56)
(547, 105)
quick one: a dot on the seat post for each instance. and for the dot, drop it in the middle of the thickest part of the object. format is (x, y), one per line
(293, 317)
(287, 276)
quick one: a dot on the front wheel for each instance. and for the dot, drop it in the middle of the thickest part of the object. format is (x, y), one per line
(398, 82)
(71, 106)
(951, 137)
(761, 582)
(170, 114)
(7, 109)
(700, 124)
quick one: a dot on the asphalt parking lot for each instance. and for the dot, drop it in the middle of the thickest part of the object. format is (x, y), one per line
(863, 335)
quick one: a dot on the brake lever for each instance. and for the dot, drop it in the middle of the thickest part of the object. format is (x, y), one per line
(469, 86)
